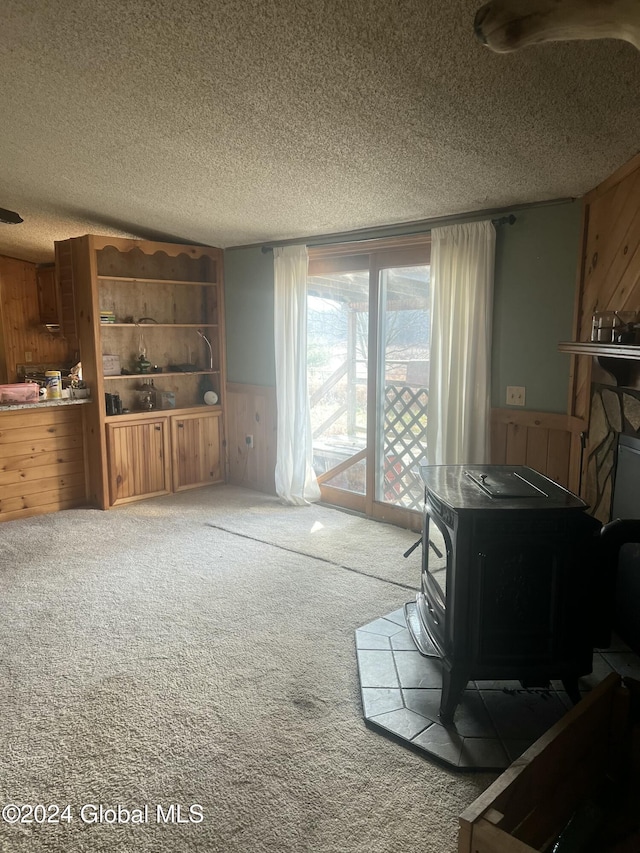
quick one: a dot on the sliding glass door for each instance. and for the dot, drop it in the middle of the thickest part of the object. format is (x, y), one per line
(337, 360)
(402, 389)
(368, 361)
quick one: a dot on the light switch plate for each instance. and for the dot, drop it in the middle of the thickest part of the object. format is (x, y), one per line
(515, 395)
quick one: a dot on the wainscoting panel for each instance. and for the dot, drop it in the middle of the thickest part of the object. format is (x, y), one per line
(251, 410)
(549, 442)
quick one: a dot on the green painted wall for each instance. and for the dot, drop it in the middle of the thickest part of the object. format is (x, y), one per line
(535, 279)
(248, 294)
(536, 262)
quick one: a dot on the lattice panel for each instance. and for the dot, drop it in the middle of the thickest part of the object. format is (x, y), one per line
(404, 443)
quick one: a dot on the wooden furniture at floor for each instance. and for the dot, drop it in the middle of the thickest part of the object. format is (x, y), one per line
(42, 460)
(532, 801)
(195, 450)
(150, 313)
(156, 454)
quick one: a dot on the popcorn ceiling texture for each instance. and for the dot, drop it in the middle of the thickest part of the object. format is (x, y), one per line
(240, 121)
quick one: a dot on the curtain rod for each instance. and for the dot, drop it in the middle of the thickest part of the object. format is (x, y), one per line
(501, 220)
(499, 216)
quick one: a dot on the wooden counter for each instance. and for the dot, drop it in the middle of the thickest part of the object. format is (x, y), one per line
(42, 457)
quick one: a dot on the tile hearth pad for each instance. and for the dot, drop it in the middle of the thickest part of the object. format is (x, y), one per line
(495, 721)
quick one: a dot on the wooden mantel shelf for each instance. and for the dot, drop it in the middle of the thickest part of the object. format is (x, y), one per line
(626, 351)
(618, 362)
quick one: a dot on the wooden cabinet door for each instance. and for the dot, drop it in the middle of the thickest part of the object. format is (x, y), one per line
(48, 295)
(196, 450)
(138, 460)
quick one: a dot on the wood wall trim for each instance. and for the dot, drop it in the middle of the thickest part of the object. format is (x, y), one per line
(544, 420)
(151, 246)
(615, 178)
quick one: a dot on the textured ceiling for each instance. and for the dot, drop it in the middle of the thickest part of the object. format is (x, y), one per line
(241, 121)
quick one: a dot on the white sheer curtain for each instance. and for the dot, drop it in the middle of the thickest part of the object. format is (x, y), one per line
(462, 264)
(296, 482)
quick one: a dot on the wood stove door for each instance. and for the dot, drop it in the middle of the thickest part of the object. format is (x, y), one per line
(432, 601)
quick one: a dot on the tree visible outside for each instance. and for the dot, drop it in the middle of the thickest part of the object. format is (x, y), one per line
(337, 358)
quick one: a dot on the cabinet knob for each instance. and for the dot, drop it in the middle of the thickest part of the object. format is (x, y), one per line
(180, 425)
(157, 427)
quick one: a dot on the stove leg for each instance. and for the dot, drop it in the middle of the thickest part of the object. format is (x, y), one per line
(453, 683)
(570, 684)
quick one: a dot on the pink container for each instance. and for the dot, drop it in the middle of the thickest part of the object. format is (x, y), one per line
(25, 392)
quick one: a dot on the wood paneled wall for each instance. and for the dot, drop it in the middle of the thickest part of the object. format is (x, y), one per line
(42, 464)
(251, 410)
(609, 269)
(21, 328)
(548, 442)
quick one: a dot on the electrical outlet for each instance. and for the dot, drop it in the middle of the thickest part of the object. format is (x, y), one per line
(28, 357)
(515, 395)
(249, 441)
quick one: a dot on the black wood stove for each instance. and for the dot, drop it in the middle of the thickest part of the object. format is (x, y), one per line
(516, 599)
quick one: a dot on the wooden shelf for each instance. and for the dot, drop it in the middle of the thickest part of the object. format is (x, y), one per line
(160, 375)
(125, 280)
(151, 452)
(159, 325)
(625, 351)
(618, 363)
(152, 414)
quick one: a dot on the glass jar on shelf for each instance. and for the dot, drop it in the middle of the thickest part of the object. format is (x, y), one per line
(148, 396)
(604, 326)
(625, 332)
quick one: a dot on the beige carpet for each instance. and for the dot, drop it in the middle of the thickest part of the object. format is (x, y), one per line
(149, 656)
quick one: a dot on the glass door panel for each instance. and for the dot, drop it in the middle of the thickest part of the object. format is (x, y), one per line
(402, 387)
(337, 358)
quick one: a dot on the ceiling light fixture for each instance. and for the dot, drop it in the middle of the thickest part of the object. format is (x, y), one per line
(9, 217)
